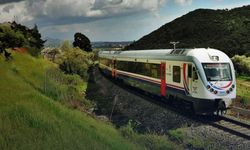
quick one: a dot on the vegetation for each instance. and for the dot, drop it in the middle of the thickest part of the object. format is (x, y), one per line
(81, 41)
(150, 141)
(174, 139)
(31, 114)
(70, 60)
(67, 89)
(243, 92)
(75, 61)
(242, 65)
(16, 35)
(226, 30)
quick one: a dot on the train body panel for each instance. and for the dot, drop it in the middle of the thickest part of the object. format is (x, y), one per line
(202, 76)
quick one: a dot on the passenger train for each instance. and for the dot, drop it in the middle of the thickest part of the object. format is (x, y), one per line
(203, 77)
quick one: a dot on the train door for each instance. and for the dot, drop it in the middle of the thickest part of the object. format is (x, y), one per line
(194, 80)
(163, 78)
(186, 79)
(189, 77)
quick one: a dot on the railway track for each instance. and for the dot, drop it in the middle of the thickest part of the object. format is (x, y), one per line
(229, 125)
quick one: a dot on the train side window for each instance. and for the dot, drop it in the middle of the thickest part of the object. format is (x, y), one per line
(195, 75)
(155, 71)
(177, 74)
(189, 70)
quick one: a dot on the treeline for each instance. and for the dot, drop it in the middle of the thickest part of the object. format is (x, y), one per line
(14, 35)
(227, 30)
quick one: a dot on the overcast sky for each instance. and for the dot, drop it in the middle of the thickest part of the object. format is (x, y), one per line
(103, 20)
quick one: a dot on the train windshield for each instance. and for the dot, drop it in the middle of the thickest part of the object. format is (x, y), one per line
(217, 71)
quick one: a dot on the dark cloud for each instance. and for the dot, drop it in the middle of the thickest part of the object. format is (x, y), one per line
(9, 1)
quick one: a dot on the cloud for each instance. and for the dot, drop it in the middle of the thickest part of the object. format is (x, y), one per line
(15, 11)
(78, 11)
(8, 8)
(60, 12)
(183, 2)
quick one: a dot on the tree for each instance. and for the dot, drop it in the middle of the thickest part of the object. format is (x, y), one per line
(81, 41)
(9, 38)
(35, 39)
(16, 35)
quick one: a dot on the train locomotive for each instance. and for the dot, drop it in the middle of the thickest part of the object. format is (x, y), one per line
(202, 77)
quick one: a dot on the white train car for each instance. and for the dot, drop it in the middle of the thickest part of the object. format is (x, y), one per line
(203, 77)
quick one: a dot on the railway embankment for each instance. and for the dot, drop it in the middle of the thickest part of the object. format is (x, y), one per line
(122, 106)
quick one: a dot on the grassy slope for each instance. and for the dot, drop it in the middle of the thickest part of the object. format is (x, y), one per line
(30, 120)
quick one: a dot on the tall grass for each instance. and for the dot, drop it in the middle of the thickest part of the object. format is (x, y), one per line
(31, 119)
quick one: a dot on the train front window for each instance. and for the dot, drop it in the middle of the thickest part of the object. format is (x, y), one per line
(217, 71)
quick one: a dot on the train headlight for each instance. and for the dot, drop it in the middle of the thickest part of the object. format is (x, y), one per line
(208, 86)
(211, 90)
(215, 92)
(228, 92)
(215, 58)
(233, 86)
(231, 89)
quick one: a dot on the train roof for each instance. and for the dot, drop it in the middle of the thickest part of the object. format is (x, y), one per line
(204, 54)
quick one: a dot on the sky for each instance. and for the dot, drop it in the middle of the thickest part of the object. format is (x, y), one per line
(103, 20)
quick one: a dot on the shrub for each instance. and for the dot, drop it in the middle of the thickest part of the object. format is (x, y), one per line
(242, 64)
(75, 61)
(67, 89)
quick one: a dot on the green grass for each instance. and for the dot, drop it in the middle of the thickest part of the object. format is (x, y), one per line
(29, 119)
(150, 141)
(182, 136)
(243, 90)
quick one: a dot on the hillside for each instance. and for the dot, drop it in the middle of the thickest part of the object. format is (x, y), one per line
(227, 30)
(29, 119)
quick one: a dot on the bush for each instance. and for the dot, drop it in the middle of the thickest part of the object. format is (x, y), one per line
(67, 89)
(75, 61)
(242, 64)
